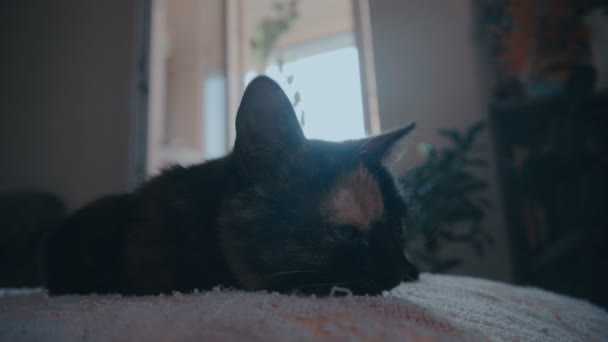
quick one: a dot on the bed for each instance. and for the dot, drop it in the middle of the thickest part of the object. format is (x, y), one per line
(435, 308)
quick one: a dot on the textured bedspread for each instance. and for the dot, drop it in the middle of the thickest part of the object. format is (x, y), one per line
(434, 308)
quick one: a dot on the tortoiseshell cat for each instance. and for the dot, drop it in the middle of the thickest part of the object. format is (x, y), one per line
(279, 213)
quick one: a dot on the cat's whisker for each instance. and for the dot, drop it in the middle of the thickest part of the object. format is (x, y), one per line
(322, 284)
(285, 273)
(362, 147)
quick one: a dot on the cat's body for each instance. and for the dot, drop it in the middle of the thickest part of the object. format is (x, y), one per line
(279, 213)
(161, 238)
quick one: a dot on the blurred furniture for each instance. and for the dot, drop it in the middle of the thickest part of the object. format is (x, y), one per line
(552, 158)
(435, 308)
(25, 219)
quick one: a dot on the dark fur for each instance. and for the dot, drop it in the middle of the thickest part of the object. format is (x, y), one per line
(249, 220)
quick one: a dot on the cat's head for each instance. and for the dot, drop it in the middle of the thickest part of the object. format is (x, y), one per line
(310, 214)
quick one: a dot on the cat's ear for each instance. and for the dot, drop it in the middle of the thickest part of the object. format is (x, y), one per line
(266, 117)
(267, 128)
(386, 147)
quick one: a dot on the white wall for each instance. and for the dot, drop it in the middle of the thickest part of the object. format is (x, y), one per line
(67, 71)
(427, 71)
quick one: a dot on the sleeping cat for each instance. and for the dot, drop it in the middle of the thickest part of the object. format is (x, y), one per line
(279, 213)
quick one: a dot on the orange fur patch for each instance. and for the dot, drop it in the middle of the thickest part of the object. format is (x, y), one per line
(355, 199)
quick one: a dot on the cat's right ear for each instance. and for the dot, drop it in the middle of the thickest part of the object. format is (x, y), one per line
(267, 128)
(383, 146)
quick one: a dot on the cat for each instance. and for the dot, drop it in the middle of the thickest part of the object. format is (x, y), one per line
(26, 216)
(279, 213)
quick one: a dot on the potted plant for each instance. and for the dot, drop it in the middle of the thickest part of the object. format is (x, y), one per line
(446, 202)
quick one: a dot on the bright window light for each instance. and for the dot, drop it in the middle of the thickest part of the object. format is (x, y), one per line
(329, 84)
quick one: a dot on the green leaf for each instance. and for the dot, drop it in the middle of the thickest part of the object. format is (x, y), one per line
(472, 133)
(478, 247)
(484, 202)
(475, 129)
(296, 98)
(451, 134)
(290, 79)
(488, 238)
(278, 6)
(476, 162)
(425, 148)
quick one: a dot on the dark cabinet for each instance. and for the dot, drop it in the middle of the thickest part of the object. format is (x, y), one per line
(552, 158)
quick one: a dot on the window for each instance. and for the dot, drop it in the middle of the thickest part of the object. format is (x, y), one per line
(329, 84)
(202, 51)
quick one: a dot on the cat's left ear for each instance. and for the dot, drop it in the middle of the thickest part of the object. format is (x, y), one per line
(386, 147)
(266, 117)
(267, 129)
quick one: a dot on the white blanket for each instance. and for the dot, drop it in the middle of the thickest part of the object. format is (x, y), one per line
(434, 308)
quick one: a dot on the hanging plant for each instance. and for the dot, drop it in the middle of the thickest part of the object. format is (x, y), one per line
(265, 37)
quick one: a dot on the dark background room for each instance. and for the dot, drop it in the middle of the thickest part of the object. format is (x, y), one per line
(506, 173)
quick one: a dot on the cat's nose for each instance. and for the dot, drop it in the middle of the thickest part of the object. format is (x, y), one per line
(409, 271)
